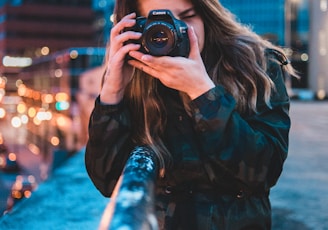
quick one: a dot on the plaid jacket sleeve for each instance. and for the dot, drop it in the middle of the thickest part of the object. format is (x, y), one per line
(108, 146)
(248, 148)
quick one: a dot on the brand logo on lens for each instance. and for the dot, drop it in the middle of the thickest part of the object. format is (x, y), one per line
(160, 39)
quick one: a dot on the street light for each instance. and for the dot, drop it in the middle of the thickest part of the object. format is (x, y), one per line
(323, 5)
(16, 122)
(2, 112)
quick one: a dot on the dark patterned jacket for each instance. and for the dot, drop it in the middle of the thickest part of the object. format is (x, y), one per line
(217, 149)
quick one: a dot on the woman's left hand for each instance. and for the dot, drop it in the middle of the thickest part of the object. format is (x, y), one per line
(183, 74)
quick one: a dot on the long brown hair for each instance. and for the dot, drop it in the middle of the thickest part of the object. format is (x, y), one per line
(238, 63)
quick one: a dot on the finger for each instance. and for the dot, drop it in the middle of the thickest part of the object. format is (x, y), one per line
(163, 63)
(141, 56)
(146, 59)
(126, 36)
(121, 41)
(123, 52)
(159, 63)
(194, 49)
(117, 38)
(126, 22)
(120, 34)
(145, 68)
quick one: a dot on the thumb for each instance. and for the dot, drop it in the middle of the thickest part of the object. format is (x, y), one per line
(194, 49)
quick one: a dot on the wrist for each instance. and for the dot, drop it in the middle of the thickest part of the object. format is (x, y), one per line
(201, 90)
(111, 98)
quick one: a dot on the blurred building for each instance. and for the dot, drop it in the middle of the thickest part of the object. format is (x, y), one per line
(56, 97)
(301, 27)
(270, 18)
(318, 46)
(45, 46)
(264, 17)
(35, 28)
(283, 22)
(104, 10)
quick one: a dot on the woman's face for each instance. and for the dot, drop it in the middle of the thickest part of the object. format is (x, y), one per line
(181, 9)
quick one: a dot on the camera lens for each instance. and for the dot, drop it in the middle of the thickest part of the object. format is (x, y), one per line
(159, 38)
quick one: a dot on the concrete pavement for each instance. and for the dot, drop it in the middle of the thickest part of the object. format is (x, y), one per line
(68, 200)
(301, 194)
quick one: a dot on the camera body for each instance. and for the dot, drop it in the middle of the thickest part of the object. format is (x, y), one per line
(162, 34)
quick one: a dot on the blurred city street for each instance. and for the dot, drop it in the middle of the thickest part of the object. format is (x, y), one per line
(301, 192)
(51, 65)
(68, 200)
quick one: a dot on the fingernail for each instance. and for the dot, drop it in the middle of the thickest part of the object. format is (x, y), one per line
(145, 58)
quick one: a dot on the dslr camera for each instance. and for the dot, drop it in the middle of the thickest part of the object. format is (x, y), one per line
(162, 34)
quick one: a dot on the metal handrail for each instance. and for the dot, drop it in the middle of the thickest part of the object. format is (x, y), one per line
(132, 203)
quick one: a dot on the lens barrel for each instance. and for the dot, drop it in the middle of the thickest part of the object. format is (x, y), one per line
(159, 38)
(162, 34)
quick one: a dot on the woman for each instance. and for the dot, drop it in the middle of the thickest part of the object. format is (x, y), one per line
(217, 121)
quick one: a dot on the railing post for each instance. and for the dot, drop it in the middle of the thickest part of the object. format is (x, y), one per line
(133, 206)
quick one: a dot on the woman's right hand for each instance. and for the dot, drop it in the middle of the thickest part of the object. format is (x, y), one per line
(118, 72)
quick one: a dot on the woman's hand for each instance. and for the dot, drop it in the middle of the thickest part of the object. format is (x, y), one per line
(119, 73)
(183, 74)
